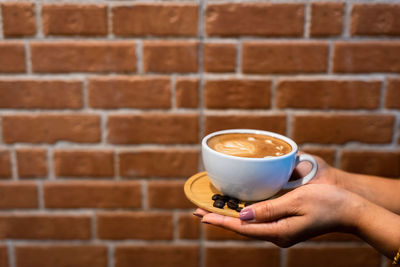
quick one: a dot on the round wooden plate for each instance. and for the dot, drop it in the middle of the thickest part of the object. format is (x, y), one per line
(199, 190)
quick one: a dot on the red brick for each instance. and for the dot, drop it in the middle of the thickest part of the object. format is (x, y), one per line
(343, 128)
(326, 19)
(173, 19)
(78, 56)
(159, 128)
(135, 225)
(326, 153)
(257, 19)
(18, 19)
(44, 226)
(187, 93)
(392, 97)
(170, 56)
(285, 57)
(88, 194)
(188, 226)
(32, 162)
(5, 164)
(359, 57)
(82, 163)
(237, 93)
(215, 233)
(50, 128)
(12, 57)
(167, 195)
(130, 92)
(327, 94)
(61, 255)
(273, 123)
(21, 195)
(157, 255)
(375, 19)
(219, 57)
(381, 163)
(333, 256)
(3, 256)
(158, 163)
(69, 19)
(46, 94)
(236, 256)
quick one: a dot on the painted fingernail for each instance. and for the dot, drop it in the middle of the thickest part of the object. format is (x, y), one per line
(246, 214)
(197, 215)
(205, 222)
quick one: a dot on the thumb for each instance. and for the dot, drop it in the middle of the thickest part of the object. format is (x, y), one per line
(269, 210)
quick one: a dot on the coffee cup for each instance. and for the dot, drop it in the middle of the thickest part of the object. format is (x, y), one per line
(251, 178)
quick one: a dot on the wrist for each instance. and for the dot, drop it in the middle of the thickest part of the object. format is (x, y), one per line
(359, 208)
(377, 226)
(341, 178)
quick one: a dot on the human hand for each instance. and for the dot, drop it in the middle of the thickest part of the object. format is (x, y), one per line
(326, 174)
(303, 213)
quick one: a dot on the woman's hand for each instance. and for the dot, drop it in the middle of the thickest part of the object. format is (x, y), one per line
(379, 190)
(333, 201)
(303, 213)
(326, 174)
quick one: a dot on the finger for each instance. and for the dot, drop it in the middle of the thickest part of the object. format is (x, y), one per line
(200, 212)
(267, 231)
(299, 171)
(269, 210)
(230, 223)
(237, 225)
(296, 174)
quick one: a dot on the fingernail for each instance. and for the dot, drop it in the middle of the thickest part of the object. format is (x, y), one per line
(205, 222)
(197, 215)
(246, 214)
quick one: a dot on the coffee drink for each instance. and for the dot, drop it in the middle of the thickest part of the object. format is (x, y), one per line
(252, 165)
(249, 145)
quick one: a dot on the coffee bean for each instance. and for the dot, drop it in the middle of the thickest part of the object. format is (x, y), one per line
(216, 196)
(225, 198)
(234, 200)
(219, 204)
(232, 205)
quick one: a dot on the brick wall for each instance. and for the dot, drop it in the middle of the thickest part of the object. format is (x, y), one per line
(103, 104)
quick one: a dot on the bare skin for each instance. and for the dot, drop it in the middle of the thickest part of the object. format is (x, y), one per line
(379, 190)
(295, 216)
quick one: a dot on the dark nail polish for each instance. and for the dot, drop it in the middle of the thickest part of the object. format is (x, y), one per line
(246, 214)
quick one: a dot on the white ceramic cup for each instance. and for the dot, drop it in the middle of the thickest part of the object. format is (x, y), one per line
(253, 179)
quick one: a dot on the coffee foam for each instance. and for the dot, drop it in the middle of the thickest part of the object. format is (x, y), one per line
(249, 145)
(237, 148)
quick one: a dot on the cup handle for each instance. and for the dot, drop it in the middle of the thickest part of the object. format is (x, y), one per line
(308, 177)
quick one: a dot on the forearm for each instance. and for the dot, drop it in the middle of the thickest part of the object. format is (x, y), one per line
(381, 191)
(378, 227)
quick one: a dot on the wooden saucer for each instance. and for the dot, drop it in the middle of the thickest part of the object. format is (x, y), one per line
(199, 190)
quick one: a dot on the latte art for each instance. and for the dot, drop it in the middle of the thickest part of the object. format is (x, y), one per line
(249, 145)
(239, 148)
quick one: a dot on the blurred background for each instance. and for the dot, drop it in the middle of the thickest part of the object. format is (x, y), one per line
(103, 105)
